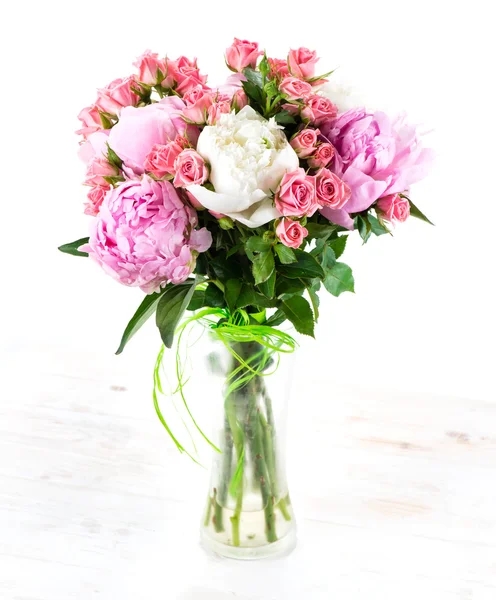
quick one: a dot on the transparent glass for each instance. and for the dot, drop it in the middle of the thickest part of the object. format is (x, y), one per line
(248, 512)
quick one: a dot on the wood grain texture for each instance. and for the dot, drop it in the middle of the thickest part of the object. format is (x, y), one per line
(395, 494)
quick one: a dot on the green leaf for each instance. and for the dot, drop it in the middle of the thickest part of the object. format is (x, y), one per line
(376, 226)
(320, 231)
(257, 244)
(233, 289)
(72, 248)
(298, 311)
(363, 226)
(249, 297)
(314, 299)
(338, 245)
(327, 258)
(268, 287)
(224, 268)
(234, 249)
(263, 265)
(197, 300)
(214, 298)
(253, 76)
(253, 92)
(144, 312)
(264, 66)
(339, 279)
(276, 319)
(415, 212)
(285, 254)
(289, 286)
(106, 122)
(171, 308)
(284, 117)
(113, 158)
(305, 266)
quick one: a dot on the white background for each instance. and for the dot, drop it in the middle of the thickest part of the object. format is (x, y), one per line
(422, 319)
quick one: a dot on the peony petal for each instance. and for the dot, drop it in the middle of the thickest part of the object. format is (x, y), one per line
(258, 214)
(338, 216)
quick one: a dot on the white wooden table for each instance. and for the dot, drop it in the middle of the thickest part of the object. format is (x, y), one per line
(395, 494)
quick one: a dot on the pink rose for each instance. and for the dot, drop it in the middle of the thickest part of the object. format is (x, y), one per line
(117, 95)
(296, 196)
(151, 69)
(394, 208)
(318, 109)
(190, 169)
(98, 169)
(291, 233)
(242, 54)
(332, 192)
(304, 142)
(186, 73)
(95, 198)
(90, 118)
(322, 156)
(216, 110)
(295, 88)
(302, 63)
(239, 100)
(278, 67)
(160, 160)
(139, 129)
(198, 101)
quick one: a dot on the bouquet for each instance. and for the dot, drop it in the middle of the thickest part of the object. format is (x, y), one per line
(230, 206)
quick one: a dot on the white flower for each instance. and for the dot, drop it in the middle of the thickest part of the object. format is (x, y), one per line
(342, 95)
(248, 157)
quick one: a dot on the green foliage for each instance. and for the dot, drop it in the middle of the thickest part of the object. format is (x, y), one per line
(263, 266)
(72, 247)
(144, 312)
(339, 279)
(285, 254)
(305, 266)
(170, 309)
(338, 245)
(284, 117)
(298, 311)
(416, 212)
(320, 230)
(233, 290)
(257, 244)
(113, 158)
(214, 297)
(268, 287)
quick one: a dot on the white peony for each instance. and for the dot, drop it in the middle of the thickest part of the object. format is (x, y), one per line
(248, 157)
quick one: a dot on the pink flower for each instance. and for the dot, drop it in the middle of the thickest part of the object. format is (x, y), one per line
(242, 54)
(144, 235)
(278, 67)
(295, 88)
(318, 109)
(151, 68)
(160, 160)
(190, 169)
(394, 208)
(322, 156)
(117, 95)
(90, 118)
(98, 169)
(186, 73)
(198, 101)
(216, 110)
(139, 129)
(375, 156)
(302, 63)
(304, 142)
(95, 198)
(332, 192)
(239, 100)
(296, 196)
(291, 233)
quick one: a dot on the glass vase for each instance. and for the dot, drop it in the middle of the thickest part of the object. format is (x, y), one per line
(248, 512)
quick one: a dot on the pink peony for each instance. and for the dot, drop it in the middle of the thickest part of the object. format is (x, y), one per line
(291, 233)
(144, 235)
(375, 157)
(295, 88)
(190, 169)
(304, 142)
(331, 191)
(151, 68)
(393, 208)
(322, 156)
(139, 129)
(95, 198)
(198, 101)
(302, 62)
(318, 110)
(117, 95)
(242, 54)
(296, 196)
(160, 160)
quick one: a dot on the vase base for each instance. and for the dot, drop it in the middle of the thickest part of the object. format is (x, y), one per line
(278, 549)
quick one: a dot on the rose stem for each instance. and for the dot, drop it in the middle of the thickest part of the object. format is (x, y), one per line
(224, 478)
